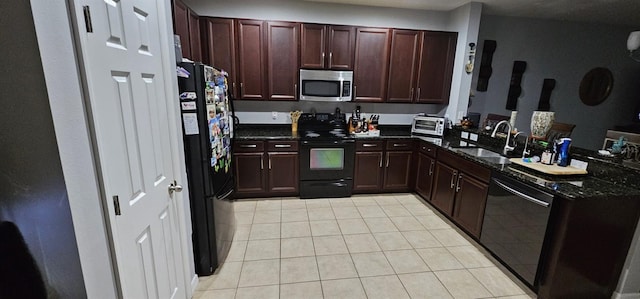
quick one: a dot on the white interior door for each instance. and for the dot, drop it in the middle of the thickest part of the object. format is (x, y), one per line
(123, 63)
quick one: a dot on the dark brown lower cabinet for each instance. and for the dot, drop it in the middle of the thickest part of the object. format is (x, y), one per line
(283, 172)
(426, 155)
(266, 169)
(249, 173)
(470, 201)
(384, 166)
(368, 172)
(460, 191)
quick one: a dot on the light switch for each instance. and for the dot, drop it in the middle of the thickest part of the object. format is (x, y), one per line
(274, 114)
(473, 137)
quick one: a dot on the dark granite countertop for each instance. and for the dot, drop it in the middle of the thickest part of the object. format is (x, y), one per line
(605, 180)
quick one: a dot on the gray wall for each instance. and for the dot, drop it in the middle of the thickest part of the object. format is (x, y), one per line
(563, 51)
(31, 180)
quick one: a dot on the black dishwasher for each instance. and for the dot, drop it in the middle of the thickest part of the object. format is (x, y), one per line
(515, 224)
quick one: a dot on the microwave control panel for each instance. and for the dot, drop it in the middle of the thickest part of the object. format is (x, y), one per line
(346, 88)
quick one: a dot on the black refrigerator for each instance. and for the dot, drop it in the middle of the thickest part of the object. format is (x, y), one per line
(207, 120)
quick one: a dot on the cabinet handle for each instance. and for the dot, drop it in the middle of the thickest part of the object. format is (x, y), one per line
(283, 145)
(418, 95)
(431, 168)
(234, 86)
(399, 144)
(330, 59)
(248, 145)
(411, 95)
(240, 90)
(295, 89)
(380, 160)
(322, 59)
(269, 162)
(387, 160)
(261, 162)
(453, 178)
(458, 183)
(355, 92)
(369, 145)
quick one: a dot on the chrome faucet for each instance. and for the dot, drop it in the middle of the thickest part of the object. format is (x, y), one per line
(507, 147)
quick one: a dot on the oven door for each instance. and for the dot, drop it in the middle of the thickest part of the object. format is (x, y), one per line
(326, 159)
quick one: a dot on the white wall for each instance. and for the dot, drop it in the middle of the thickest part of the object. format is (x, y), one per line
(563, 51)
(464, 20)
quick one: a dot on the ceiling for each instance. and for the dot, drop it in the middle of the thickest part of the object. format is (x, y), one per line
(618, 12)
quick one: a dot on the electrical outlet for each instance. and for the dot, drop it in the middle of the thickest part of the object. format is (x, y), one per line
(274, 114)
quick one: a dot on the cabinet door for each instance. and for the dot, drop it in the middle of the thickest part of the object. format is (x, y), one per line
(181, 26)
(424, 177)
(282, 57)
(194, 36)
(251, 60)
(397, 171)
(471, 199)
(221, 47)
(403, 65)
(283, 173)
(250, 176)
(436, 67)
(367, 176)
(371, 63)
(341, 45)
(444, 188)
(312, 50)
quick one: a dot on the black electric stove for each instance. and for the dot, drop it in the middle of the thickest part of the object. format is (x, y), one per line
(326, 156)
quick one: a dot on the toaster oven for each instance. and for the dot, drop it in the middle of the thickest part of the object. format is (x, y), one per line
(428, 125)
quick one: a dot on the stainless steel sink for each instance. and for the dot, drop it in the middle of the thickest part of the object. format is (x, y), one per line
(484, 154)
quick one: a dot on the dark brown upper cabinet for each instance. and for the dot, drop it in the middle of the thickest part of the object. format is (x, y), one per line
(403, 65)
(371, 64)
(436, 67)
(283, 39)
(327, 46)
(220, 47)
(181, 26)
(251, 60)
(194, 37)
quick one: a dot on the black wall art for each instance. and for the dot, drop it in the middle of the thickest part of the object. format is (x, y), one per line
(514, 87)
(545, 95)
(485, 64)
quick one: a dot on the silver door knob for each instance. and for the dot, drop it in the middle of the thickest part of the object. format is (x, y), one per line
(174, 187)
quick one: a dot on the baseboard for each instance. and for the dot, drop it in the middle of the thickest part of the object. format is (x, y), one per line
(617, 295)
(194, 283)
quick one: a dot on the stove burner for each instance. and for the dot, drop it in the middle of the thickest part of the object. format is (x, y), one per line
(311, 134)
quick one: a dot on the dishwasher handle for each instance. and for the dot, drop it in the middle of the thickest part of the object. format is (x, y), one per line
(520, 194)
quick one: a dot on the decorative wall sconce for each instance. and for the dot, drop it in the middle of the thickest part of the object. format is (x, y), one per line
(633, 43)
(472, 57)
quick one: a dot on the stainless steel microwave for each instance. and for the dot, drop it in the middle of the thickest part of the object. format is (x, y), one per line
(428, 125)
(326, 85)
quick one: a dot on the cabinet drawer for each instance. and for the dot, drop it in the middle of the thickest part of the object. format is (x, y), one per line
(400, 145)
(468, 167)
(282, 146)
(428, 149)
(369, 145)
(248, 146)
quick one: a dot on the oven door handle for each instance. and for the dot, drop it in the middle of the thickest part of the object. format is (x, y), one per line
(329, 142)
(520, 194)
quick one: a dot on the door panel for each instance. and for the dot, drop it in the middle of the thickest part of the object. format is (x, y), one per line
(371, 63)
(181, 26)
(194, 36)
(397, 171)
(470, 202)
(444, 188)
(341, 47)
(436, 67)
(424, 178)
(123, 62)
(249, 172)
(368, 171)
(283, 173)
(403, 64)
(282, 57)
(251, 60)
(312, 51)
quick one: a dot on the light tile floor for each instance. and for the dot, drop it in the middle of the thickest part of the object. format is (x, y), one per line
(366, 246)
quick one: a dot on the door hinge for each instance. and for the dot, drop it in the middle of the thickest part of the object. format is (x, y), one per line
(87, 18)
(116, 205)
